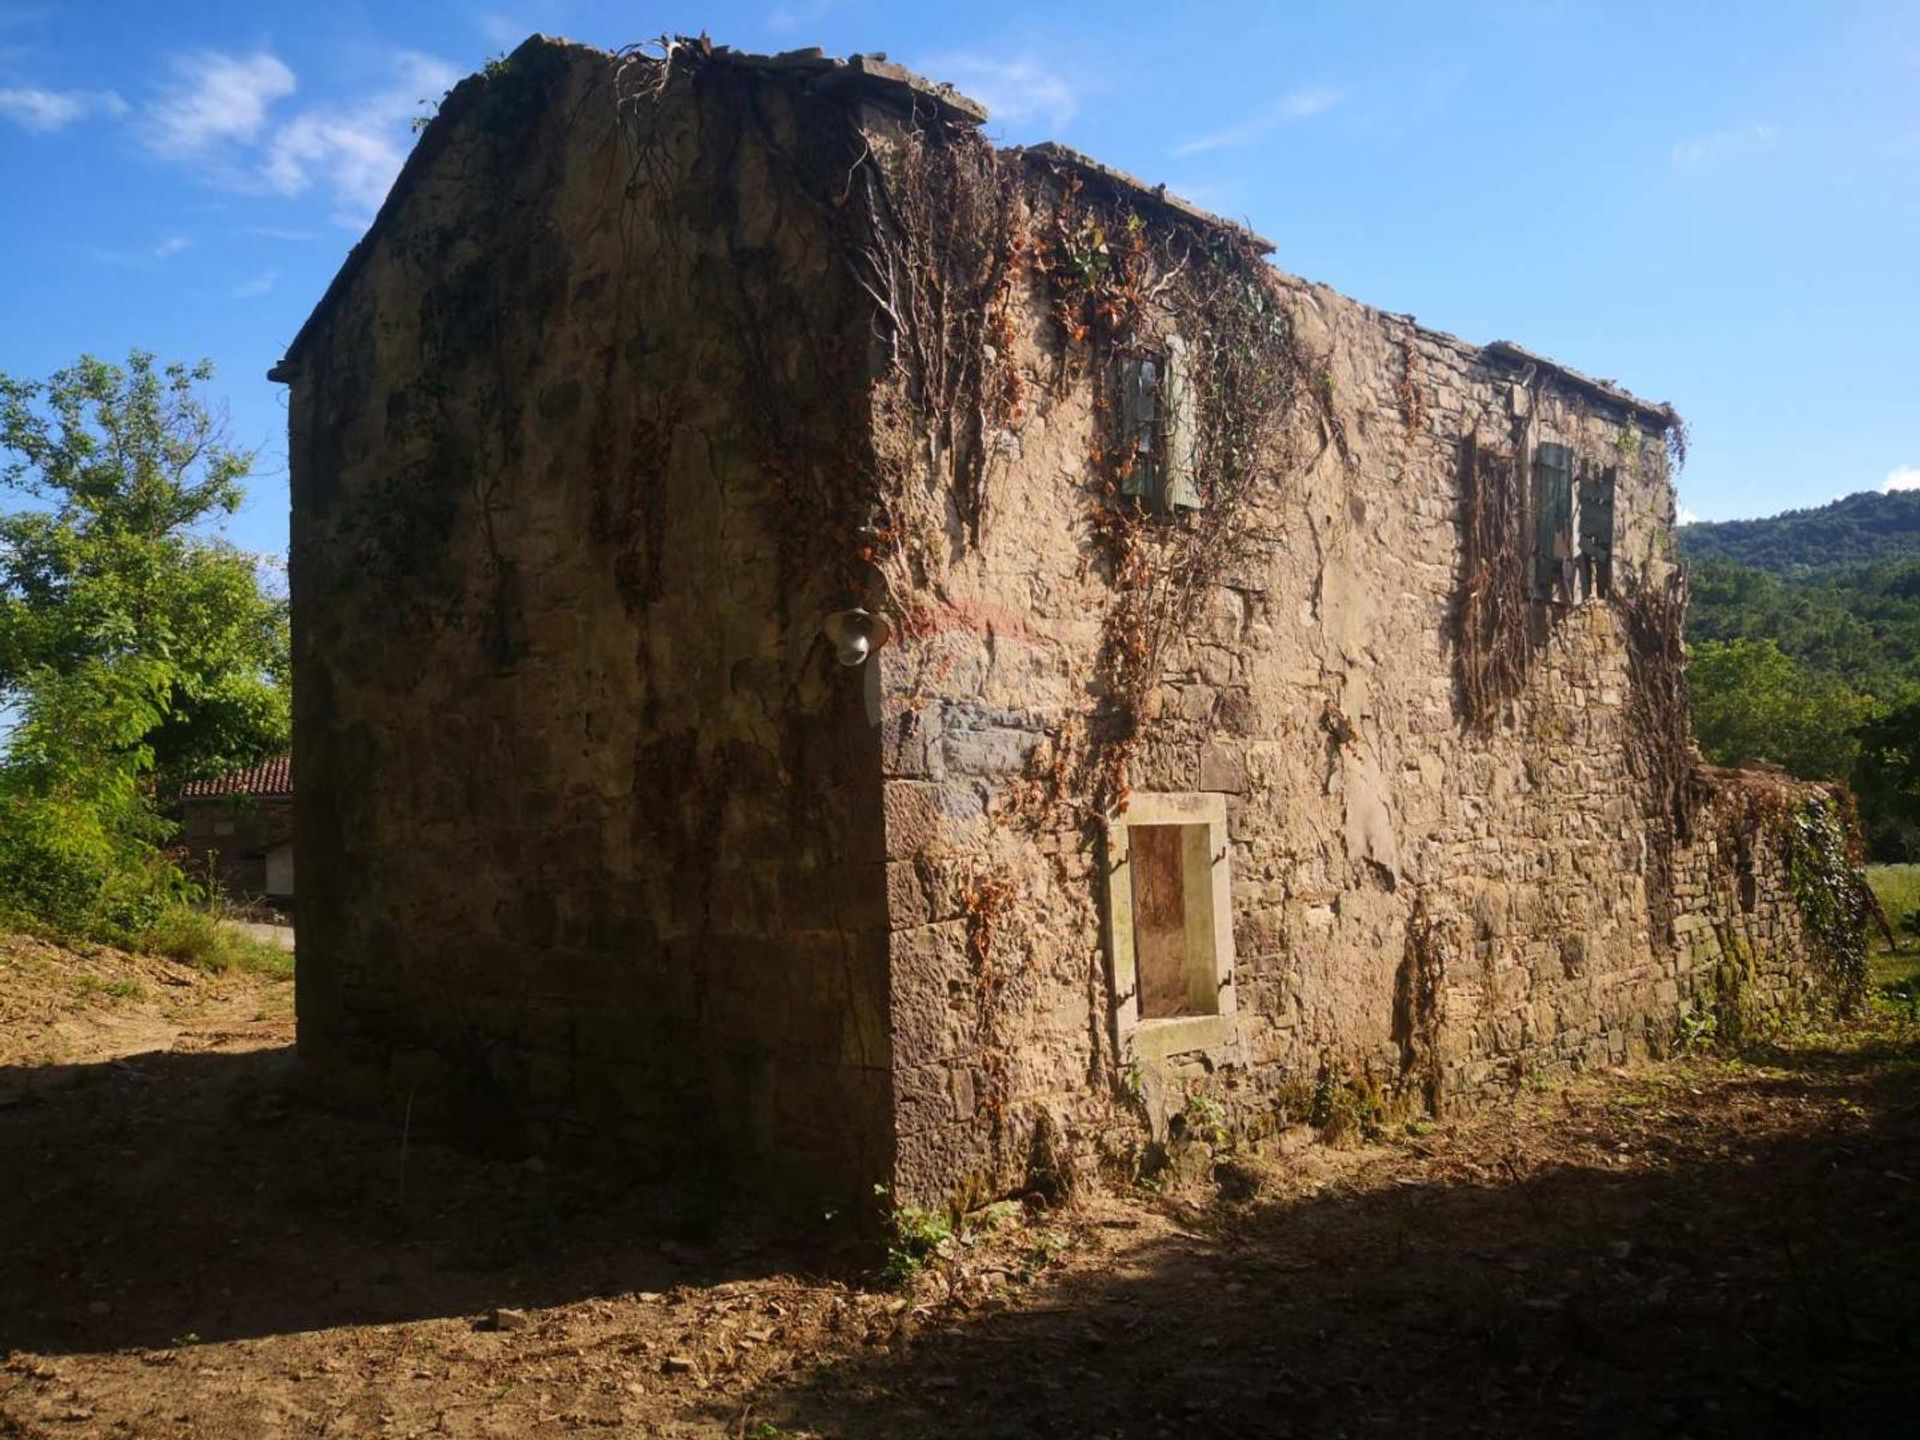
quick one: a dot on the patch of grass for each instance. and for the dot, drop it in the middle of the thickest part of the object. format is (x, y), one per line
(1897, 888)
(1894, 973)
(1045, 1248)
(1896, 966)
(1902, 997)
(125, 988)
(1206, 1120)
(199, 938)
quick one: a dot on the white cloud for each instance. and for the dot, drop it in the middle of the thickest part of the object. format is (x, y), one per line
(355, 150)
(40, 111)
(164, 249)
(1017, 90)
(254, 288)
(215, 100)
(356, 158)
(1730, 144)
(1299, 104)
(1683, 516)
(1906, 477)
(503, 30)
(785, 19)
(220, 112)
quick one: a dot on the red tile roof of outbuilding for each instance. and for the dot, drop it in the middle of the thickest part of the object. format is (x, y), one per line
(269, 777)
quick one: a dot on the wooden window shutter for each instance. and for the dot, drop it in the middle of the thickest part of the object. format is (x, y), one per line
(1183, 487)
(1140, 425)
(1157, 417)
(1597, 488)
(1553, 543)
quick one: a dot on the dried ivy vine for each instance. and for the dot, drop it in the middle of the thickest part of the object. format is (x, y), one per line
(1493, 647)
(1659, 735)
(1116, 286)
(939, 253)
(987, 895)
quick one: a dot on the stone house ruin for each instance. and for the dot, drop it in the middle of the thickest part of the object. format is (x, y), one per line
(237, 830)
(839, 654)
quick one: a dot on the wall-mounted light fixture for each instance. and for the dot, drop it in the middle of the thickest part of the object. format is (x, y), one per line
(855, 634)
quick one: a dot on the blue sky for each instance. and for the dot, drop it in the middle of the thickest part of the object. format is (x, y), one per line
(1717, 205)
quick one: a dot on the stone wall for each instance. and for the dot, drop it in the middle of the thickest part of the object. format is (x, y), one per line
(1419, 906)
(612, 408)
(227, 839)
(589, 834)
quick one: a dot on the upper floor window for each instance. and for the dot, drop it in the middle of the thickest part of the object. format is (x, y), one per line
(1158, 428)
(1573, 510)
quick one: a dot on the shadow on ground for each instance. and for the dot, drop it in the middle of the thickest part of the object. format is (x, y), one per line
(1684, 1276)
(1699, 1251)
(168, 1198)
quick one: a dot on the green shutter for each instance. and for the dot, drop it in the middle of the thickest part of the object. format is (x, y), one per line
(1158, 428)
(1597, 488)
(1140, 424)
(1553, 542)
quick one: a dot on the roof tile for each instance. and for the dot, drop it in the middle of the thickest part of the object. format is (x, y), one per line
(269, 777)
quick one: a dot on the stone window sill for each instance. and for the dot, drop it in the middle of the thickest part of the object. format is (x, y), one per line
(1179, 1035)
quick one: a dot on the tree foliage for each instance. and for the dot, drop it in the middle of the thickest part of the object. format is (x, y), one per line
(1820, 674)
(1886, 779)
(1859, 625)
(1752, 701)
(117, 570)
(1863, 529)
(137, 648)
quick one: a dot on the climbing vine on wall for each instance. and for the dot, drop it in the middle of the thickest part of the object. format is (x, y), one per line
(1659, 737)
(1410, 390)
(1493, 647)
(1418, 999)
(914, 237)
(938, 255)
(987, 894)
(1830, 887)
(1116, 285)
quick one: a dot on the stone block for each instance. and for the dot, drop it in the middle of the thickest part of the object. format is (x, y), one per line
(997, 753)
(1223, 767)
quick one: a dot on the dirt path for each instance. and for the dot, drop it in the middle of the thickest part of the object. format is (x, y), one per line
(1713, 1248)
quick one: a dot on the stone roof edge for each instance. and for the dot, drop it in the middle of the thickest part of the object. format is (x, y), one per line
(1056, 153)
(1661, 414)
(872, 75)
(1517, 358)
(876, 76)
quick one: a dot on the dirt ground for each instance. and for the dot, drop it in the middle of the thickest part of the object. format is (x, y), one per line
(1712, 1247)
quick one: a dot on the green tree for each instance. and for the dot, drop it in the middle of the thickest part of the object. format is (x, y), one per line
(1886, 778)
(1751, 701)
(79, 839)
(117, 569)
(137, 648)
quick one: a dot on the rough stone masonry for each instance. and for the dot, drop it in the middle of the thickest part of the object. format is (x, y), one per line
(1270, 722)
